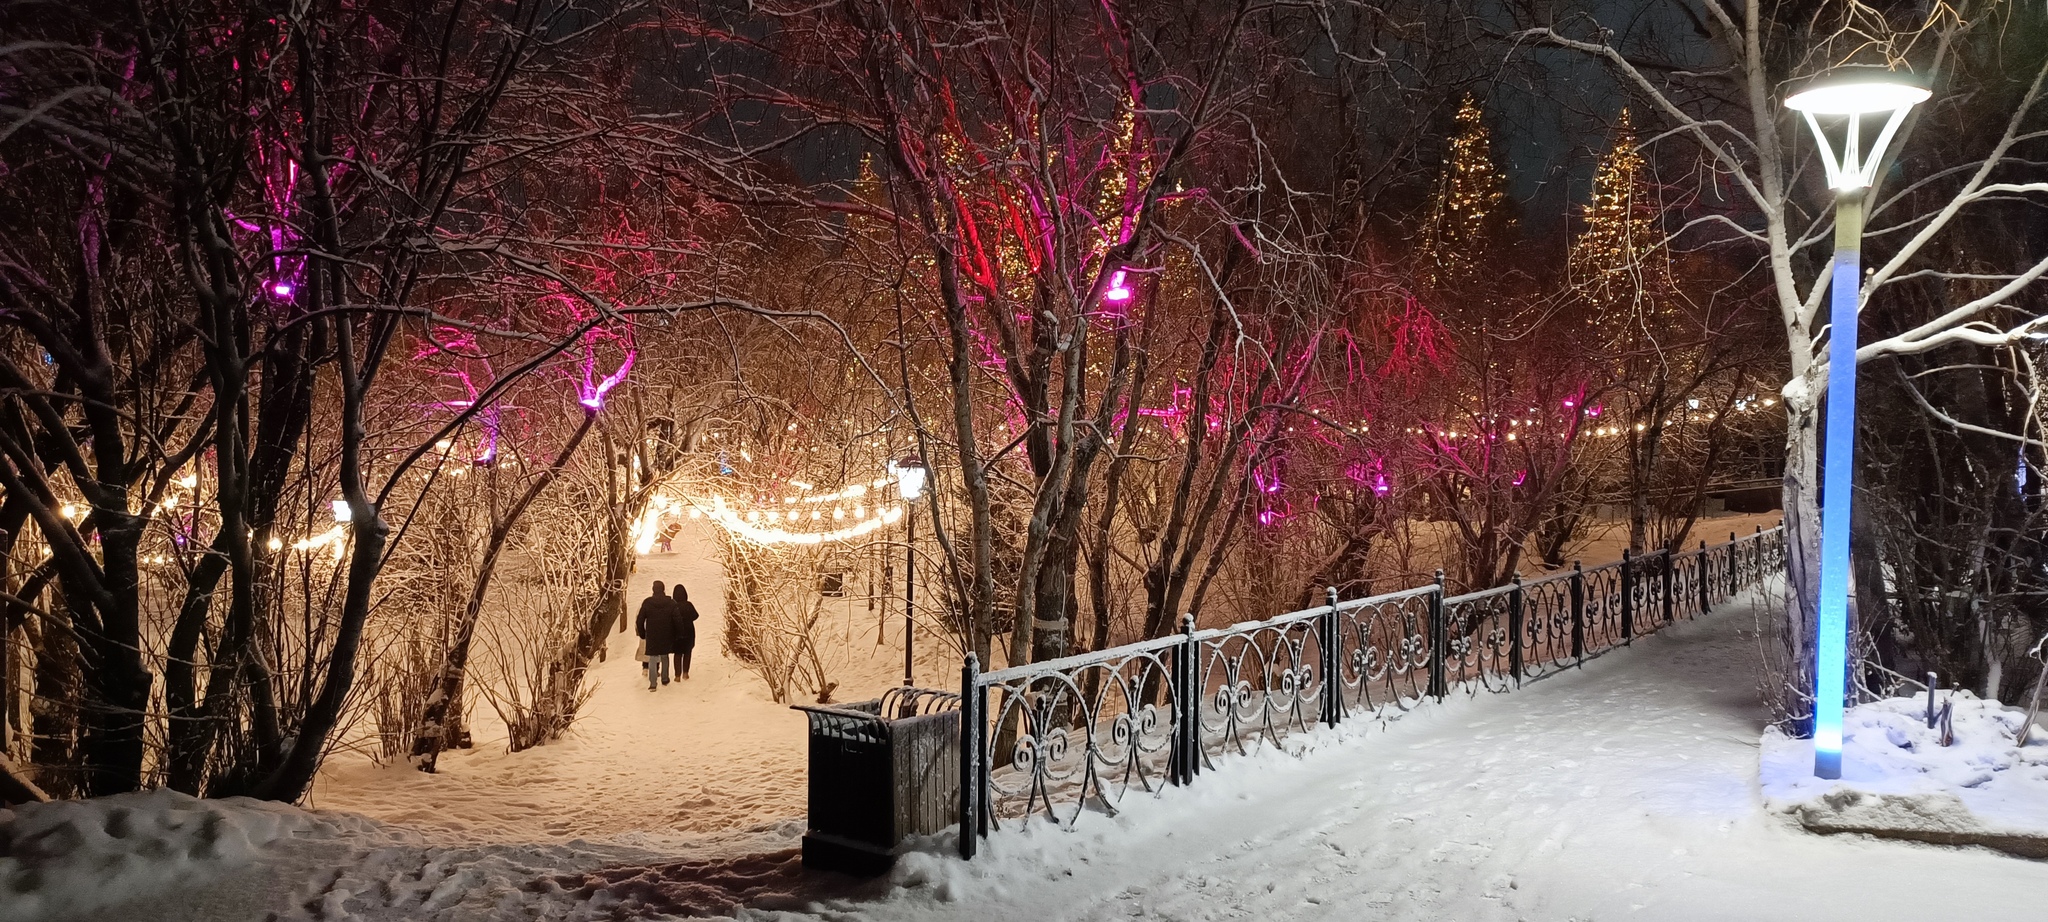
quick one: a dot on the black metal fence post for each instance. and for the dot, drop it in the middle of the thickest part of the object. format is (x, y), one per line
(1439, 637)
(1734, 566)
(1702, 575)
(1187, 710)
(1670, 609)
(1515, 628)
(1628, 596)
(1332, 638)
(1578, 612)
(970, 757)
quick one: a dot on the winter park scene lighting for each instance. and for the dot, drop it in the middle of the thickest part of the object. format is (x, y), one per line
(870, 461)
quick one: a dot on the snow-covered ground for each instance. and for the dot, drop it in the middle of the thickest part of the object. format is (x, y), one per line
(1626, 790)
(1897, 776)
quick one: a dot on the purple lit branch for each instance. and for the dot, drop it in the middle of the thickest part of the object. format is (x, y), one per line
(592, 390)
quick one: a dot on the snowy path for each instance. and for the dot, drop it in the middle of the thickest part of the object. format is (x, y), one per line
(1626, 790)
(703, 755)
(711, 755)
(708, 755)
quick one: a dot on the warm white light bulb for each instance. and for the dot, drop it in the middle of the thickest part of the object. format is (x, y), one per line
(910, 480)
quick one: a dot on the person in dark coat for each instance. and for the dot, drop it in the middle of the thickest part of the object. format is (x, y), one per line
(686, 630)
(656, 625)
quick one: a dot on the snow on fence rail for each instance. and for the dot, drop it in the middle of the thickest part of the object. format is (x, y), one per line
(1056, 738)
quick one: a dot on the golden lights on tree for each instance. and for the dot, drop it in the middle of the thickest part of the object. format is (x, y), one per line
(1617, 262)
(1467, 216)
(1112, 206)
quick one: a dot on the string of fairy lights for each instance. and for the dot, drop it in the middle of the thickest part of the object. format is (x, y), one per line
(810, 516)
(807, 516)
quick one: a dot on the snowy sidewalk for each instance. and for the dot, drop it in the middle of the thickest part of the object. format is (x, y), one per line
(1626, 790)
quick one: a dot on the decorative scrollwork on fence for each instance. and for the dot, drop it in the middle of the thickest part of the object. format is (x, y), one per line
(1479, 651)
(1603, 601)
(1383, 646)
(1686, 580)
(1646, 593)
(1266, 681)
(1552, 624)
(1082, 732)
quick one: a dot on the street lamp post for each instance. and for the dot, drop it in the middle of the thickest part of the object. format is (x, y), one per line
(1849, 93)
(910, 476)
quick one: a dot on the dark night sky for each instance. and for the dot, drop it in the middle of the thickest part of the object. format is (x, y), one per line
(1551, 109)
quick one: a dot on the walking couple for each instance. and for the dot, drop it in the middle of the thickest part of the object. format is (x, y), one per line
(667, 626)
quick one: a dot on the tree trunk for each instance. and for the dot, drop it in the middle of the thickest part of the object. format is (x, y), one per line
(1802, 561)
(117, 684)
(53, 750)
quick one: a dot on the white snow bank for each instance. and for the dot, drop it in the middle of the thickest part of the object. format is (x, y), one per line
(69, 858)
(1897, 777)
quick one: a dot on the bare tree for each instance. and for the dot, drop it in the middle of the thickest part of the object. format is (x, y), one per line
(1720, 92)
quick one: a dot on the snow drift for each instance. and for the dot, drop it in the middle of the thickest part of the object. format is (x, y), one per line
(1898, 779)
(69, 858)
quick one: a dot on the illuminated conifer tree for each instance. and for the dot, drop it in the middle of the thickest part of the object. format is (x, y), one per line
(1618, 264)
(1656, 350)
(1468, 218)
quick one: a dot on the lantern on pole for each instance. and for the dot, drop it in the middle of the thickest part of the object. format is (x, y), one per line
(910, 476)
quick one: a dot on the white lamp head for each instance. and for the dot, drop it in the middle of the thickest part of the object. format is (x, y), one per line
(1858, 89)
(342, 512)
(910, 475)
(1852, 92)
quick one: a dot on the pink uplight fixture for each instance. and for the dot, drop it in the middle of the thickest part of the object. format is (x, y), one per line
(283, 289)
(1118, 291)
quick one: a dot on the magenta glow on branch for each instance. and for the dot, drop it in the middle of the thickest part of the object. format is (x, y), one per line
(487, 453)
(592, 390)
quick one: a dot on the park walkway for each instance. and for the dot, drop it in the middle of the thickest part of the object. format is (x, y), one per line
(1624, 791)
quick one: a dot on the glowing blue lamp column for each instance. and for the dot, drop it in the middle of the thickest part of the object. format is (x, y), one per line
(1852, 92)
(1837, 490)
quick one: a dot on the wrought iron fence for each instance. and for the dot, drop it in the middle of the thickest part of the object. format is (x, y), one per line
(1058, 738)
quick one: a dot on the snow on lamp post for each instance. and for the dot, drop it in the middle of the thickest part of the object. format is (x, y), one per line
(910, 475)
(1849, 94)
